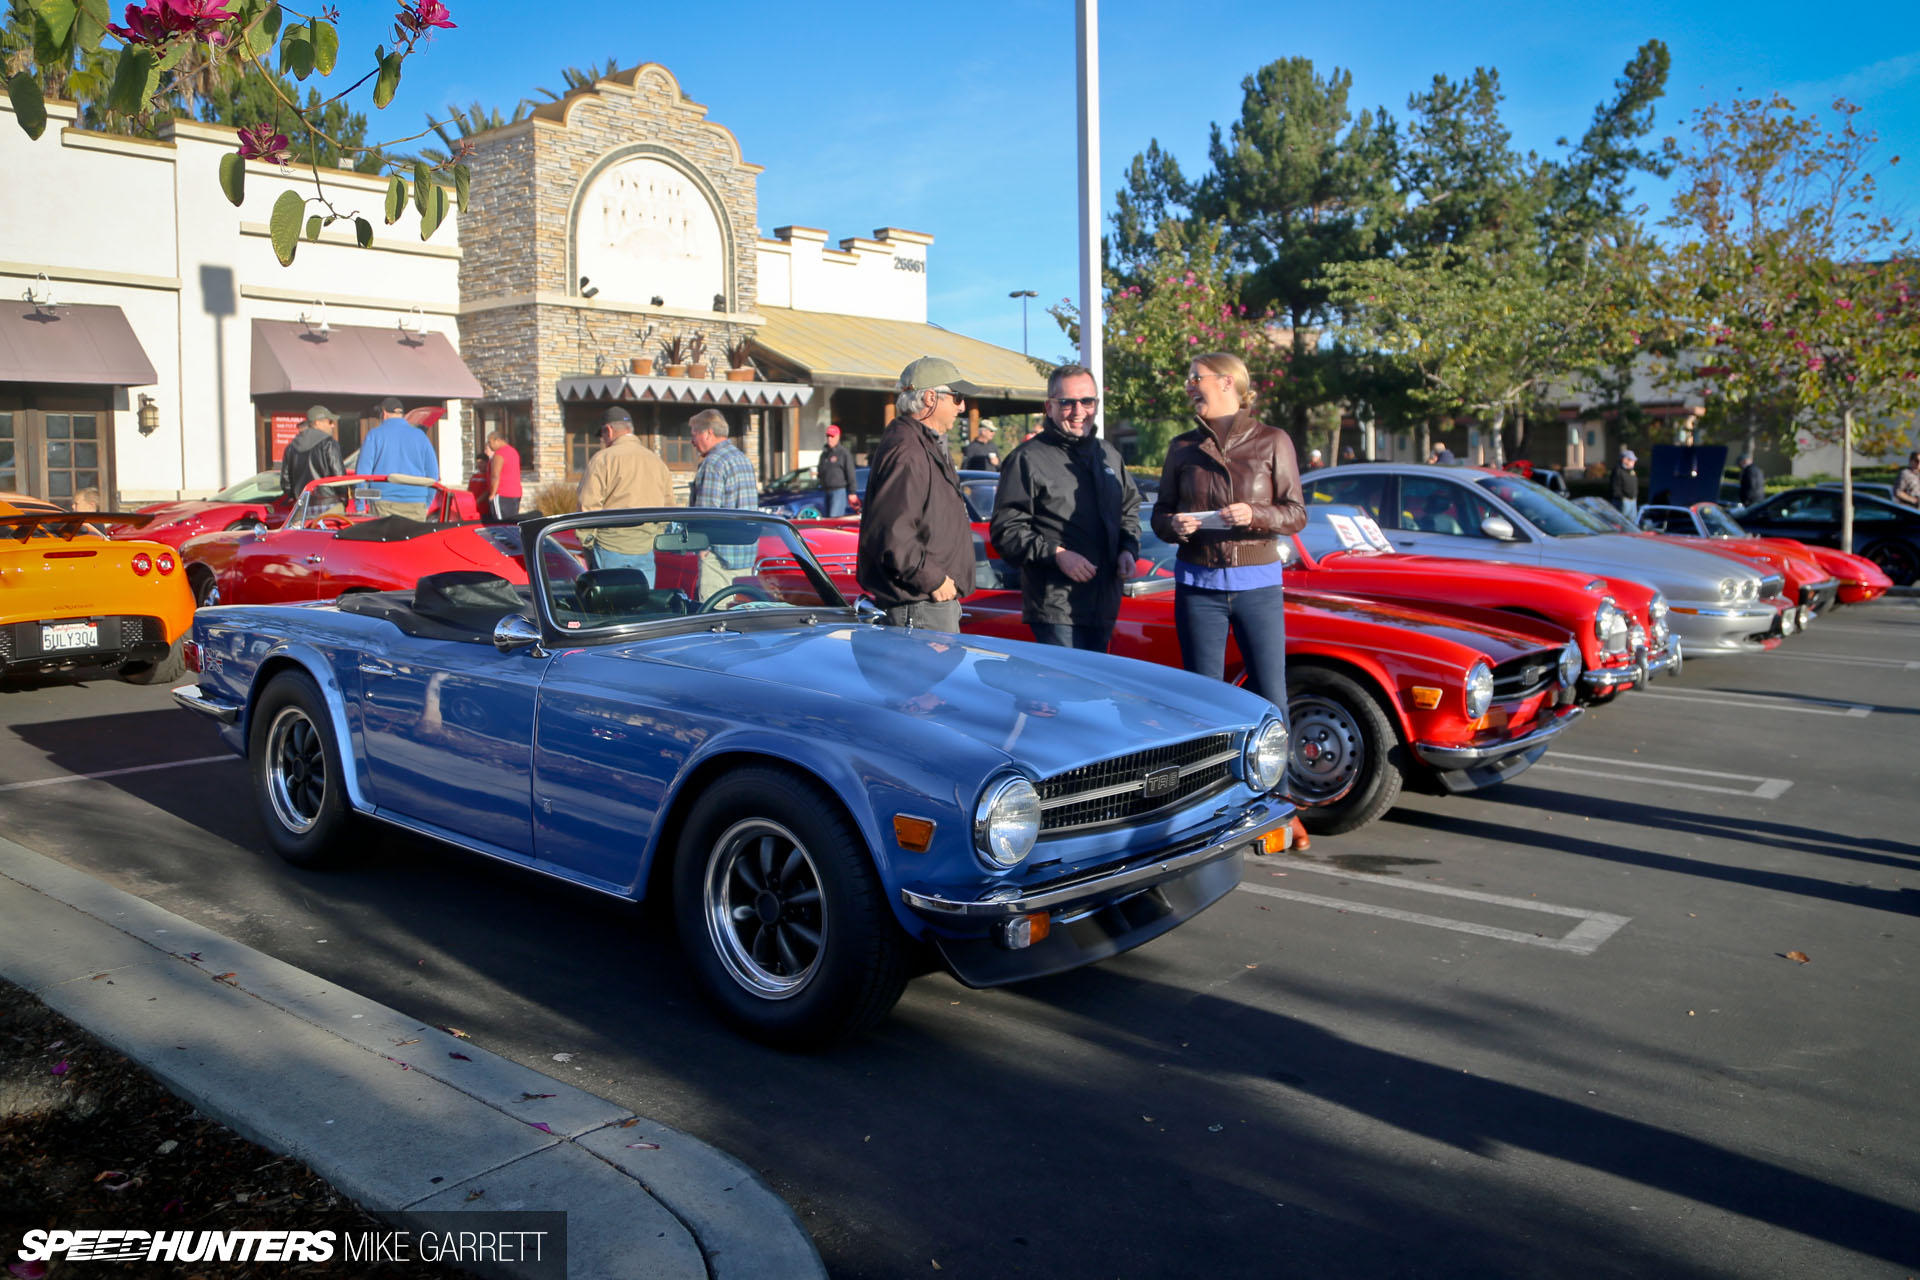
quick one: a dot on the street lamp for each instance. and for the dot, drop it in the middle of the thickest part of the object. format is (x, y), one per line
(1023, 295)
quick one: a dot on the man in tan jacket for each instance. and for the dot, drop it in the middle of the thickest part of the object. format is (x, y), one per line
(624, 473)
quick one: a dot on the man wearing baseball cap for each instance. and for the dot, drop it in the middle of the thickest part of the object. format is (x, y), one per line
(395, 447)
(312, 455)
(624, 473)
(916, 545)
(1624, 485)
(836, 471)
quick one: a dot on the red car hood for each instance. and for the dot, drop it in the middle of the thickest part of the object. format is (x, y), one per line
(1497, 643)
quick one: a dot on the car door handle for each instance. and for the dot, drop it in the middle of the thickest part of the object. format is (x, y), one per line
(315, 559)
(376, 669)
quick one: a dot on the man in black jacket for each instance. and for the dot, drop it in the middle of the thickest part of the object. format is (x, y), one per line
(312, 455)
(1624, 486)
(916, 545)
(1068, 515)
(1753, 481)
(835, 470)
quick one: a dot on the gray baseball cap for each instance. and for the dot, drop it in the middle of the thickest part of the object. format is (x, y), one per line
(319, 411)
(931, 371)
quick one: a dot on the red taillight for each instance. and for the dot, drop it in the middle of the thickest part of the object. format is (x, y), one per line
(142, 563)
(164, 562)
(190, 654)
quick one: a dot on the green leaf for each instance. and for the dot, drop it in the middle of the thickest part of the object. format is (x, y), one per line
(326, 46)
(422, 180)
(285, 225)
(436, 211)
(90, 23)
(313, 227)
(129, 93)
(396, 198)
(233, 178)
(29, 105)
(462, 180)
(363, 232)
(296, 54)
(389, 78)
(56, 16)
(261, 36)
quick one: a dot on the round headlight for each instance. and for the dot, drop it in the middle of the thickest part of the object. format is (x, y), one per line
(1749, 588)
(1570, 664)
(1006, 822)
(1607, 618)
(1479, 690)
(1266, 756)
(1729, 588)
(1657, 607)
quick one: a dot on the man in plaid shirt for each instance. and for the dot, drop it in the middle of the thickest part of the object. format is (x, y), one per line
(724, 478)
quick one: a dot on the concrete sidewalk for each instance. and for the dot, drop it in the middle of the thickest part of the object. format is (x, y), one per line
(373, 1101)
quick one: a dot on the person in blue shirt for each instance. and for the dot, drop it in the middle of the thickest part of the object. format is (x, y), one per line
(723, 479)
(395, 447)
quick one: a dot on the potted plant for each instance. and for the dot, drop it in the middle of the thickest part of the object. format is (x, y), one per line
(697, 356)
(673, 351)
(641, 365)
(739, 361)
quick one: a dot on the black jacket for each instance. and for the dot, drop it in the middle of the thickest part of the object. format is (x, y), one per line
(1060, 491)
(913, 521)
(835, 468)
(1753, 484)
(310, 456)
(1625, 484)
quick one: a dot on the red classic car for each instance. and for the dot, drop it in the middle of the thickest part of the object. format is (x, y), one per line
(1380, 696)
(1620, 625)
(1859, 578)
(255, 500)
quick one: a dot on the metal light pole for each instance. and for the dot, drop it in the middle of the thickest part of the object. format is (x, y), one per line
(1023, 295)
(1092, 313)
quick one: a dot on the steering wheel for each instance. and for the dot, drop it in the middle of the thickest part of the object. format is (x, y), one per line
(333, 522)
(751, 590)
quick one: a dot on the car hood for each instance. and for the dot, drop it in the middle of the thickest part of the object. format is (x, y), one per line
(167, 513)
(1052, 709)
(1411, 567)
(1681, 572)
(1497, 643)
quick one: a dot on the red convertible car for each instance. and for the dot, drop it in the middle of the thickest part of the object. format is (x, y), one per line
(1380, 696)
(1860, 579)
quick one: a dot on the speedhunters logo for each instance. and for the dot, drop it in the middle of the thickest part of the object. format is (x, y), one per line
(535, 1244)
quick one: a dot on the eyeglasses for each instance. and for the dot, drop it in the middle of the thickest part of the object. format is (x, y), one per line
(1198, 377)
(1085, 402)
(954, 396)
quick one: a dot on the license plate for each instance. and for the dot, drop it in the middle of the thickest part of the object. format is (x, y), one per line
(69, 635)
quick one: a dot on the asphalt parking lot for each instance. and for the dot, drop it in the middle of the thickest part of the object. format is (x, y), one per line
(1648, 1009)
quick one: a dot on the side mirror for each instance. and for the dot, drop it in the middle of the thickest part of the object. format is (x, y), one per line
(517, 631)
(867, 611)
(259, 529)
(1499, 528)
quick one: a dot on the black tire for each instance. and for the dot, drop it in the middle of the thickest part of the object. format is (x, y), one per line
(202, 581)
(242, 526)
(1343, 768)
(298, 784)
(164, 671)
(782, 914)
(1897, 560)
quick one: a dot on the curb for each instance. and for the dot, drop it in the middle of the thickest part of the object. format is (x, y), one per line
(373, 1102)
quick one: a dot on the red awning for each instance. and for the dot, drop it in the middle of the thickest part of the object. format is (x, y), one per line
(351, 360)
(71, 343)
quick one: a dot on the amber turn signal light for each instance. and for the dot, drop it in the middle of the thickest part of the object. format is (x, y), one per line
(1276, 840)
(915, 835)
(1425, 698)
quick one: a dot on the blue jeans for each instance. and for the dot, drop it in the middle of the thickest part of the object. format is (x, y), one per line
(1074, 635)
(641, 560)
(836, 502)
(1258, 621)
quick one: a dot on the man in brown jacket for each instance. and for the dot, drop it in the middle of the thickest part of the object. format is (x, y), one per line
(916, 544)
(625, 473)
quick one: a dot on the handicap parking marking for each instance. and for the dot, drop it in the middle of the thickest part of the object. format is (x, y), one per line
(1584, 939)
(113, 773)
(1650, 775)
(1790, 702)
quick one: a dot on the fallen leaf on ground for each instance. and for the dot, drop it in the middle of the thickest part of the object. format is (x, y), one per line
(1800, 957)
(624, 1124)
(463, 1057)
(643, 1146)
(401, 1044)
(475, 1195)
(541, 1125)
(456, 1032)
(225, 977)
(563, 1057)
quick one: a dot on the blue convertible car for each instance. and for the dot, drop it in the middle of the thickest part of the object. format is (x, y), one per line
(683, 705)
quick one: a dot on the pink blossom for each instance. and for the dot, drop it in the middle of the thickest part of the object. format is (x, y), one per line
(1845, 304)
(1140, 341)
(424, 14)
(1192, 341)
(260, 142)
(1816, 364)
(158, 21)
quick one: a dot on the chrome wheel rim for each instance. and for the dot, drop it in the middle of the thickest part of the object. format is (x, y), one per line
(764, 911)
(296, 770)
(1328, 751)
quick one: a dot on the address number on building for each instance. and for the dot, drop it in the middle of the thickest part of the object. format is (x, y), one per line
(909, 264)
(69, 635)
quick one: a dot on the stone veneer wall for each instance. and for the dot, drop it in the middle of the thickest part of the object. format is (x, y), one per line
(523, 325)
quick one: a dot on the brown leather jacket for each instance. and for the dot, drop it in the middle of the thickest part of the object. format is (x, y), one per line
(1206, 470)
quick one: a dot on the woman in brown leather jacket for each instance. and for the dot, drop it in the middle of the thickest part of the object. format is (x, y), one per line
(1229, 491)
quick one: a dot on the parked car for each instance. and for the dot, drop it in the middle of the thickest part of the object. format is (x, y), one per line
(819, 798)
(256, 500)
(1809, 583)
(1860, 579)
(798, 494)
(1620, 625)
(1380, 696)
(74, 600)
(332, 544)
(1884, 532)
(1714, 606)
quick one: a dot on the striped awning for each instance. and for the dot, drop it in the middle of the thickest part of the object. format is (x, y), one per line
(632, 388)
(868, 353)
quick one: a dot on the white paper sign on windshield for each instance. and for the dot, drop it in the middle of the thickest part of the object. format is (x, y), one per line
(1348, 532)
(1371, 531)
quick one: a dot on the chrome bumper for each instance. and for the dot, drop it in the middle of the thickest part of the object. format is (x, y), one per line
(1667, 659)
(193, 698)
(1244, 834)
(1436, 756)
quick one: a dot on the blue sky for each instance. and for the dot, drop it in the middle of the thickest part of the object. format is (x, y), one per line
(958, 120)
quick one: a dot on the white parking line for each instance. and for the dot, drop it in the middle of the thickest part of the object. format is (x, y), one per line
(1595, 927)
(1845, 661)
(1765, 788)
(112, 773)
(1810, 706)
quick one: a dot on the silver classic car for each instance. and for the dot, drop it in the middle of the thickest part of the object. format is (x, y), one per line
(1714, 605)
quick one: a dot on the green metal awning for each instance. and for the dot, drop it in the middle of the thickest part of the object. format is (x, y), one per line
(868, 354)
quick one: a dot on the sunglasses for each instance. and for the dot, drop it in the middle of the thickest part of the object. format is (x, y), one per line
(1085, 402)
(954, 396)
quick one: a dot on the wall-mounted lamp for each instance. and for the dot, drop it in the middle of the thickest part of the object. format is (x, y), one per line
(719, 302)
(416, 324)
(659, 301)
(43, 297)
(316, 320)
(149, 414)
(588, 290)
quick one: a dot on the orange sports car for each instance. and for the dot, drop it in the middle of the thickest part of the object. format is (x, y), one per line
(73, 599)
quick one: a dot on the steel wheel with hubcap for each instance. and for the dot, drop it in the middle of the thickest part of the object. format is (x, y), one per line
(1341, 771)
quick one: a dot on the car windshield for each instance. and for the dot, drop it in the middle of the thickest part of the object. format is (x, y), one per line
(264, 487)
(1608, 514)
(613, 571)
(801, 478)
(1718, 522)
(1548, 512)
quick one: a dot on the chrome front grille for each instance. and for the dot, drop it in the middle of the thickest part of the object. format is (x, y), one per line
(1137, 785)
(1522, 677)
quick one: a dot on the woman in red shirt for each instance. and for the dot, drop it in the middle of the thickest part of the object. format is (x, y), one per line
(503, 488)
